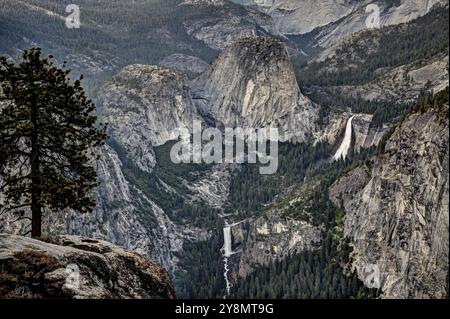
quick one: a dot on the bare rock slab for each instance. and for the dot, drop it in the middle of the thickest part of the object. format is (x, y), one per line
(79, 268)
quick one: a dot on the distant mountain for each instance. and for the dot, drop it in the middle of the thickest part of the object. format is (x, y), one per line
(115, 33)
(303, 16)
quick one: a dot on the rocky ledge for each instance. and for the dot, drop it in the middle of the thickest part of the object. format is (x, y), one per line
(79, 268)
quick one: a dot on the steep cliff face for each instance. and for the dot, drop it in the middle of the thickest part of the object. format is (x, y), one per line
(79, 268)
(145, 106)
(397, 209)
(252, 84)
(337, 19)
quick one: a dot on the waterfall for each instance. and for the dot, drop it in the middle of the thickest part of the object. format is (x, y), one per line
(227, 241)
(343, 149)
(227, 252)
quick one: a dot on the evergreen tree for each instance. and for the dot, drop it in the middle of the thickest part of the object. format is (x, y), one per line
(47, 134)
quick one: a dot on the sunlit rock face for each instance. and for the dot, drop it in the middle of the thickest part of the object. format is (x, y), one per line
(252, 84)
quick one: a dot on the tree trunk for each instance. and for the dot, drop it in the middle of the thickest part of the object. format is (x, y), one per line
(36, 207)
(36, 219)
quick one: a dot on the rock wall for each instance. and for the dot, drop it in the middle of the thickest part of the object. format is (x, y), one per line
(397, 210)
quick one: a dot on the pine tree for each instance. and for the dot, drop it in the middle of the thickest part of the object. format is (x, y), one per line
(47, 135)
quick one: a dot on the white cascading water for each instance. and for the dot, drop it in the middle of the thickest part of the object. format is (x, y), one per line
(227, 252)
(343, 149)
(227, 241)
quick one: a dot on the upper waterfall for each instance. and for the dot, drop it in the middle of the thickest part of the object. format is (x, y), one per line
(343, 149)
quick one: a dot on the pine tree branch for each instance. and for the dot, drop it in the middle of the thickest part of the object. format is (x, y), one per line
(19, 190)
(15, 121)
(28, 232)
(21, 218)
(9, 209)
(14, 181)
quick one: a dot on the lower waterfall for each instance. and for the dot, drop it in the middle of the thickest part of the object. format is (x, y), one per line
(227, 252)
